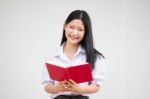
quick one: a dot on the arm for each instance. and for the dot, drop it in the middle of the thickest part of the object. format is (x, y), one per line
(92, 88)
(61, 86)
(74, 87)
(52, 88)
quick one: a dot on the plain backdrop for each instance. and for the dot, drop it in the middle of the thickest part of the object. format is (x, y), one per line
(30, 29)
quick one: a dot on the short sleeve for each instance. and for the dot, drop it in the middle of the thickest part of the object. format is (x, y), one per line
(99, 71)
(45, 76)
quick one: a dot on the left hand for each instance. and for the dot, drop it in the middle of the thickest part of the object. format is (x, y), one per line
(74, 87)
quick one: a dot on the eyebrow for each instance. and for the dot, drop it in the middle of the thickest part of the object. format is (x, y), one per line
(78, 27)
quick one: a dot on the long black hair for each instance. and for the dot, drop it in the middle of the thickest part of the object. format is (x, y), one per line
(87, 42)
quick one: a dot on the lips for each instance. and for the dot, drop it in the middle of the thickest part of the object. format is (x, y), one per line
(73, 37)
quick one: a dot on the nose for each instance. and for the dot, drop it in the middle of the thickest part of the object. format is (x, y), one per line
(75, 32)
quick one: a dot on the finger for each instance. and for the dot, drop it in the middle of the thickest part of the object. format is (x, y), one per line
(68, 84)
(61, 83)
(73, 82)
(64, 86)
(64, 81)
(69, 89)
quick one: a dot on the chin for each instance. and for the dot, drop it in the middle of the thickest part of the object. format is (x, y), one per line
(74, 42)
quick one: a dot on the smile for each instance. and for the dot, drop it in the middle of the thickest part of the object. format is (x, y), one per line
(73, 37)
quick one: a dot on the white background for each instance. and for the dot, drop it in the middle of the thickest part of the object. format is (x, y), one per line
(30, 29)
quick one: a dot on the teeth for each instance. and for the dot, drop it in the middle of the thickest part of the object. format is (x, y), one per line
(72, 37)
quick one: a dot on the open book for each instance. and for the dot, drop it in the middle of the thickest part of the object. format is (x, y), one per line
(80, 73)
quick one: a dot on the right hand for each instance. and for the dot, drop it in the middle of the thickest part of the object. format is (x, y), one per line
(63, 86)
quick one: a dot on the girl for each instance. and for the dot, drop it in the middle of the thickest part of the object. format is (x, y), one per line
(76, 48)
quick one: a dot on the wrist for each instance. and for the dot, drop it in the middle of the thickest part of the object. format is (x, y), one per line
(82, 90)
(58, 88)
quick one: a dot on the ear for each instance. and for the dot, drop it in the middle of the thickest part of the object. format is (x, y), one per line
(65, 26)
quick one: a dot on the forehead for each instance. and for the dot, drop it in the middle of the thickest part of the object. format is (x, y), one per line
(76, 22)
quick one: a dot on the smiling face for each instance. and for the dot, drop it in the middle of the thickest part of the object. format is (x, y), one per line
(74, 31)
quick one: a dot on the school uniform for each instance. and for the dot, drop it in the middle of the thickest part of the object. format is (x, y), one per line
(59, 58)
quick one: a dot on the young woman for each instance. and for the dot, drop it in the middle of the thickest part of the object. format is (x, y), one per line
(76, 48)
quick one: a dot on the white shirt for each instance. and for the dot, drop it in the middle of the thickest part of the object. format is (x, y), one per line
(59, 58)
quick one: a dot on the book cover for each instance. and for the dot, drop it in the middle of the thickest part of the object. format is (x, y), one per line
(80, 73)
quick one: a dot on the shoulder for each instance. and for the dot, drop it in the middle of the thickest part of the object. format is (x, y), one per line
(100, 59)
(52, 53)
(99, 62)
(100, 66)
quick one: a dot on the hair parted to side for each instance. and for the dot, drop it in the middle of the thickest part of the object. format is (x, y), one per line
(87, 42)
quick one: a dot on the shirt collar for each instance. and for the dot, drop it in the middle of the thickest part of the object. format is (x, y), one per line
(60, 52)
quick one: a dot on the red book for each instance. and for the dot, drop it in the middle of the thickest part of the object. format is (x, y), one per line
(80, 73)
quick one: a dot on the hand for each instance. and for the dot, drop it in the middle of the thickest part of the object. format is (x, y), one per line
(64, 85)
(69, 85)
(59, 87)
(74, 87)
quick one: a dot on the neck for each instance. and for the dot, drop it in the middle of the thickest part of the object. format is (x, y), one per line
(70, 48)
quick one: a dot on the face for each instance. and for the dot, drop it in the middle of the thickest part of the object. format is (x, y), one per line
(74, 31)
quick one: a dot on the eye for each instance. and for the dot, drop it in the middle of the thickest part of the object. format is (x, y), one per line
(80, 29)
(71, 27)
